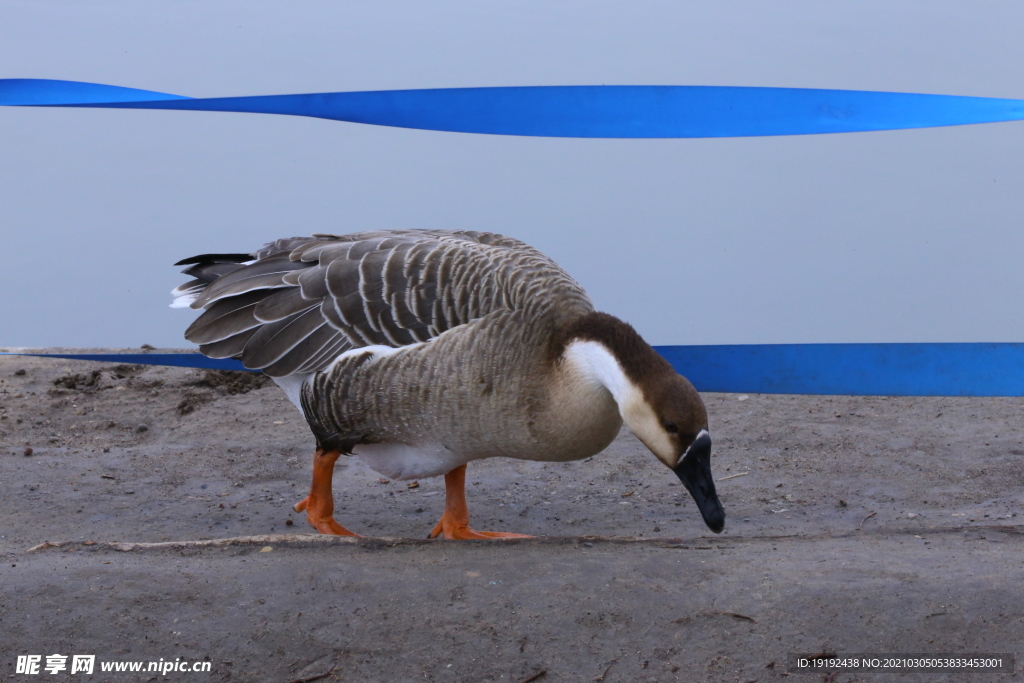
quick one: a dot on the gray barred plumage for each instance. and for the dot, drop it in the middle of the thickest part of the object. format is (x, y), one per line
(300, 302)
(478, 391)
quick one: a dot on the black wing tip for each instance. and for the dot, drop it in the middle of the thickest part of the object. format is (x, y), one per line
(215, 258)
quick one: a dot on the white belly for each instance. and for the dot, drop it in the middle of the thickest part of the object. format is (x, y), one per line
(402, 461)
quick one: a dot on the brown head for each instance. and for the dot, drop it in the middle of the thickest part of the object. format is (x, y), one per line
(658, 404)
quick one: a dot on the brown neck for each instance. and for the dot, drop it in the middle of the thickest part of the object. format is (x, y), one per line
(639, 361)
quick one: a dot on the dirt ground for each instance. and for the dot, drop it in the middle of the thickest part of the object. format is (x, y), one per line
(857, 525)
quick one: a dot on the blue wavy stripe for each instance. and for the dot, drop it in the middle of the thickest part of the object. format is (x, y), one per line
(831, 369)
(649, 111)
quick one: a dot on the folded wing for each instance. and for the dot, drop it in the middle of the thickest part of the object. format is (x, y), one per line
(295, 304)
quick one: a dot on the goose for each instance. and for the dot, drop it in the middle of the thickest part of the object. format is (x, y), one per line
(420, 351)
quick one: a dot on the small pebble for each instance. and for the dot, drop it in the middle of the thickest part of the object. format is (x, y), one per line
(287, 522)
(419, 509)
(28, 451)
(142, 428)
(19, 372)
(384, 481)
(657, 529)
(412, 485)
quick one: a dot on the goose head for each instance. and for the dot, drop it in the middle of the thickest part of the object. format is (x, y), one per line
(659, 405)
(668, 416)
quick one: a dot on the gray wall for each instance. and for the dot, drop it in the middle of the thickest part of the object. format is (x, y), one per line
(895, 236)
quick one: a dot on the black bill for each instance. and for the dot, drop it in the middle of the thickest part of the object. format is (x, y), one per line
(694, 470)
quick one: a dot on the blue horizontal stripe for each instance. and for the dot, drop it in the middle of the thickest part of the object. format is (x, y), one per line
(854, 369)
(178, 360)
(643, 111)
(838, 369)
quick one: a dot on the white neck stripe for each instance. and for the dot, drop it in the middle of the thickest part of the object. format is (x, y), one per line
(595, 361)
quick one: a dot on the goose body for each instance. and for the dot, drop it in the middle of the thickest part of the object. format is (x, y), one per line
(422, 351)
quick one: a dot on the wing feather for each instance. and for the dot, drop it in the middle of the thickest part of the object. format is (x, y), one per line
(224, 319)
(274, 340)
(310, 345)
(302, 301)
(231, 347)
(266, 274)
(283, 303)
(313, 283)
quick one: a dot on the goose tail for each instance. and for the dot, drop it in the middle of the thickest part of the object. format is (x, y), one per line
(204, 269)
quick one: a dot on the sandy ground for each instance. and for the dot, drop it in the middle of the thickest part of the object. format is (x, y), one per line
(853, 525)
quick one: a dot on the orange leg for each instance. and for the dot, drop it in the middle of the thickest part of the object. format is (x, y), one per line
(454, 522)
(319, 504)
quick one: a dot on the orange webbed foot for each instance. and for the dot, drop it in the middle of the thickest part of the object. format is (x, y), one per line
(319, 504)
(459, 530)
(321, 517)
(454, 524)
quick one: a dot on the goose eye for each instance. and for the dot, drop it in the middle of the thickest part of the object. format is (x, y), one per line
(671, 427)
